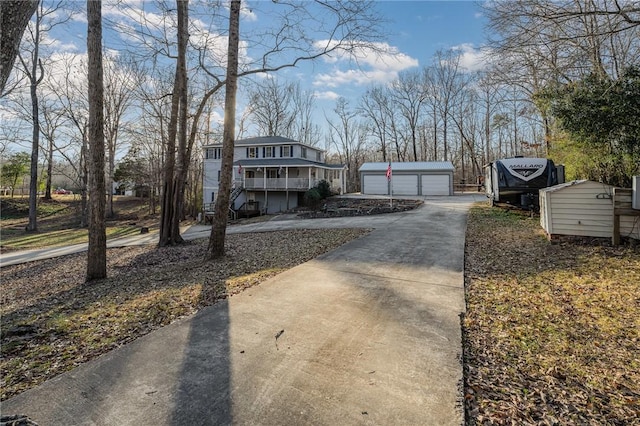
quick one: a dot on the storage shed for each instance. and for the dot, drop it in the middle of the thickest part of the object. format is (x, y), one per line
(582, 208)
(407, 178)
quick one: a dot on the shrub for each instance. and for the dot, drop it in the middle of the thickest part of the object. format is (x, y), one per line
(324, 189)
(312, 198)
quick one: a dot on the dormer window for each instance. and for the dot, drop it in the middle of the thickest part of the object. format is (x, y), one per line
(303, 152)
(252, 152)
(269, 151)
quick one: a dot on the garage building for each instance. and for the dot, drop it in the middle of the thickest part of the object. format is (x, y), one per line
(408, 178)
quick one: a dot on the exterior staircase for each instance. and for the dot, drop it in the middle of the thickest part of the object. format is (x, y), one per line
(235, 193)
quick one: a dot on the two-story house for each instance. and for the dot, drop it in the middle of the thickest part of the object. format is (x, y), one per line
(270, 173)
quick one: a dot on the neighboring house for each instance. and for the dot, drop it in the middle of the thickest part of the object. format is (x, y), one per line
(270, 174)
(407, 178)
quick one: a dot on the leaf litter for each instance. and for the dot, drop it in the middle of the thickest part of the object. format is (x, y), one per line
(552, 329)
(52, 321)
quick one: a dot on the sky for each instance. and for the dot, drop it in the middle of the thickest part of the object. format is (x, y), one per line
(417, 29)
(413, 32)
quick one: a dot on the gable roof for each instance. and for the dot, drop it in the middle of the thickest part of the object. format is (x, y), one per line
(408, 166)
(572, 183)
(265, 140)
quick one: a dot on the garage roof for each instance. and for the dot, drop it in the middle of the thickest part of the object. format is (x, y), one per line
(416, 166)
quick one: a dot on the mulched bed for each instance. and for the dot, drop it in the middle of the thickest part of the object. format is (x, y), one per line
(346, 207)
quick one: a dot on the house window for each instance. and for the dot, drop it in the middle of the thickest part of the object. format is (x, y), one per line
(250, 174)
(303, 152)
(285, 151)
(272, 174)
(252, 152)
(269, 151)
(318, 156)
(213, 153)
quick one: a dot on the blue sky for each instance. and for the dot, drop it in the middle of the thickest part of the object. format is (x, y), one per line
(415, 30)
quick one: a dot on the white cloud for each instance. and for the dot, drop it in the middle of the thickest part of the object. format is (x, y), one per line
(377, 63)
(326, 95)
(473, 58)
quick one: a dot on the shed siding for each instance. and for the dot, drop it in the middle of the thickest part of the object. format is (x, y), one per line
(583, 209)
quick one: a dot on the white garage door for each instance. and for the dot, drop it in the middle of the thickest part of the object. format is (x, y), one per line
(435, 184)
(405, 185)
(373, 184)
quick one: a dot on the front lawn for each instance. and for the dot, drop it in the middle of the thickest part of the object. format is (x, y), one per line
(552, 329)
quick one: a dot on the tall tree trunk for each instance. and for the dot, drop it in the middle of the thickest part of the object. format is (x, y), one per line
(97, 253)
(34, 80)
(109, 182)
(84, 181)
(173, 188)
(14, 17)
(219, 227)
(47, 191)
(32, 226)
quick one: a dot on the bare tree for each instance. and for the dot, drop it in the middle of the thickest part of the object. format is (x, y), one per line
(346, 135)
(97, 252)
(118, 96)
(71, 90)
(14, 18)
(303, 128)
(409, 94)
(52, 120)
(447, 86)
(271, 107)
(219, 226)
(175, 171)
(283, 110)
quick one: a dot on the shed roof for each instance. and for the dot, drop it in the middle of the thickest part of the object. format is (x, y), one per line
(570, 184)
(415, 166)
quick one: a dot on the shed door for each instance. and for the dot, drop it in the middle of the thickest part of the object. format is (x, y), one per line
(435, 185)
(405, 184)
(375, 184)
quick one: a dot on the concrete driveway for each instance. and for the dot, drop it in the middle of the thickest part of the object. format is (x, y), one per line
(366, 334)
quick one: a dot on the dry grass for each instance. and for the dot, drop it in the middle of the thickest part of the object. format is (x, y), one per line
(552, 330)
(53, 321)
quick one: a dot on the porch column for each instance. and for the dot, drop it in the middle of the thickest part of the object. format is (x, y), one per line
(286, 185)
(264, 180)
(343, 179)
(309, 177)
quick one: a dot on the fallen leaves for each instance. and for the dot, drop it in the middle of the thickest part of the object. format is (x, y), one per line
(552, 330)
(59, 322)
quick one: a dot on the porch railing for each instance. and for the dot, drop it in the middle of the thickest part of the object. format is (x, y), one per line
(278, 183)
